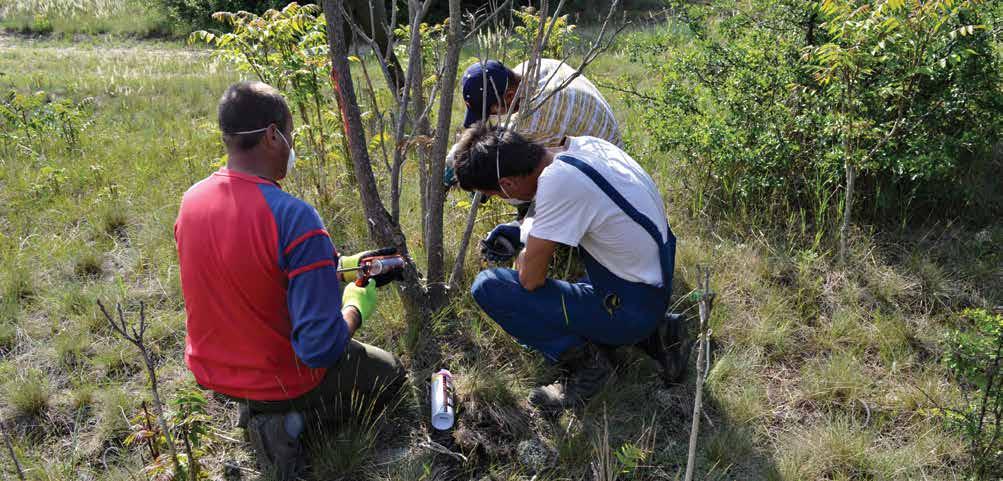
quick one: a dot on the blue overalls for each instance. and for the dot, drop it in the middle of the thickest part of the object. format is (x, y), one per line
(605, 309)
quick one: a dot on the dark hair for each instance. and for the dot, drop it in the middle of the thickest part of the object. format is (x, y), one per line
(250, 106)
(486, 153)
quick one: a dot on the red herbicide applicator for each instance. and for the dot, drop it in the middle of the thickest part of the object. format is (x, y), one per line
(373, 266)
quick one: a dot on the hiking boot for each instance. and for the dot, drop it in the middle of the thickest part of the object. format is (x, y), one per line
(670, 346)
(276, 441)
(243, 415)
(588, 369)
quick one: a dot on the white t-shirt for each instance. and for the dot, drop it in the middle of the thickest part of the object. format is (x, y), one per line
(571, 209)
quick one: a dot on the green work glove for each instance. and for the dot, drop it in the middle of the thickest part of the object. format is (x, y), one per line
(349, 262)
(363, 298)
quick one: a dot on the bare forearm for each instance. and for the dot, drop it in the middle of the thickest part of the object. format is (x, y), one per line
(534, 261)
(352, 318)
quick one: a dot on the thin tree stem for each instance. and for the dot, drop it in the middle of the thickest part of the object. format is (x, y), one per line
(13, 456)
(457, 274)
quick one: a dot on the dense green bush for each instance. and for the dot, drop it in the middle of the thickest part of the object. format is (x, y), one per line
(765, 129)
(195, 14)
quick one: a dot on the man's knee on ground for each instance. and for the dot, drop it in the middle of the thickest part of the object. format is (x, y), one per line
(490, 283)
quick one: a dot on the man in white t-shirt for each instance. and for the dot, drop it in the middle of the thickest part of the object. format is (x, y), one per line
(592, 195)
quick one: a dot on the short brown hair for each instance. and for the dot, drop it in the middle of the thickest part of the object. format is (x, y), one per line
(251, 106)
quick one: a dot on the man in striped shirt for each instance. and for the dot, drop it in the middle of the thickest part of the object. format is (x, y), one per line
(561, 104)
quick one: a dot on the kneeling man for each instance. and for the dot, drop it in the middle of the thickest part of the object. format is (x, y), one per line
(588, 194)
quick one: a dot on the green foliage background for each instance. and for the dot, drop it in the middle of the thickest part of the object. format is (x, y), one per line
(740, 103)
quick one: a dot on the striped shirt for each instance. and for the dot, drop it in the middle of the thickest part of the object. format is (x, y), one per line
(574, 111)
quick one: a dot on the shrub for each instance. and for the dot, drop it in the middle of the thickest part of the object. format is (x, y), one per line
(974, 354)
(288, 49)
(195, 14)
(765, 130)
(561, 37)
(32, 120)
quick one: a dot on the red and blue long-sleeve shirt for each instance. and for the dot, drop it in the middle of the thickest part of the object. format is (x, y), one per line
(258, 274)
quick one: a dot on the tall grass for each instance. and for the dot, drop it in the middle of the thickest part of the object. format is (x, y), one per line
(132, 17)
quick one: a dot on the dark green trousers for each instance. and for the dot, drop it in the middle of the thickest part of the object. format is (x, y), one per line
(365, 381)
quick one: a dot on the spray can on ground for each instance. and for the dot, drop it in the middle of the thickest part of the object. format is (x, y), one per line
(443, 412)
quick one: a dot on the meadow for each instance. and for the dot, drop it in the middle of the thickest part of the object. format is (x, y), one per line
(84, 17)
(819, 370)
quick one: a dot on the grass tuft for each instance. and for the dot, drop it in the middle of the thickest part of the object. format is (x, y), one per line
(346, 449)
(115, 223)
(116, 361)
(88, 266)
(735, 384)
(729, 446)
(70, 346)
(29, 393)
(18, 285)
(840, 378)
(82, 396)
(114, 405)
(8, 337)
(834, 449)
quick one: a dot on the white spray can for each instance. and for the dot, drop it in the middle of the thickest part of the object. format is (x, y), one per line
(443, 412)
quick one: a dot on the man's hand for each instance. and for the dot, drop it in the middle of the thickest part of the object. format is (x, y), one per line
(348, 262)
(361, 298)
(502, 243)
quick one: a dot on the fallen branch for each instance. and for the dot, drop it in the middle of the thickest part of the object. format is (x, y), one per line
(438, 448)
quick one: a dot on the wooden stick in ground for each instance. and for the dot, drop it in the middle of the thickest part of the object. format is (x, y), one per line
(706, 300)
(461, 253)
(135, 337)
(13, 456)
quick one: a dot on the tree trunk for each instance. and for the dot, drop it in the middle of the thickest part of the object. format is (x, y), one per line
(810, 24)
(851, 170)
(382, 229)
(844, 229)
(436, 190)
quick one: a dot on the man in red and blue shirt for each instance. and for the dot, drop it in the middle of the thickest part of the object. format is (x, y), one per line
(267, 322)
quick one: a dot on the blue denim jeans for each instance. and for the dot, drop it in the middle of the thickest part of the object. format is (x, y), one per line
(561, 315)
